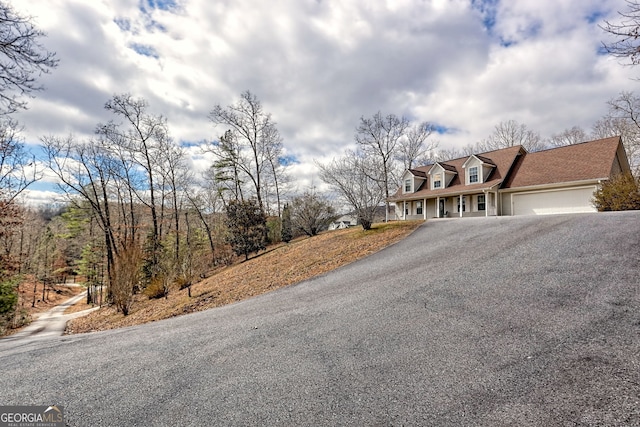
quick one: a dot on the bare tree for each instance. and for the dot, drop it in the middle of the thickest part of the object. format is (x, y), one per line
(575, 135)
(17, 167)
(350, 177)
(22, 59)
(143, 136)
(626, 33)
(623, 120)
(509, 134)
(176, 176)
(275, 174)
(414, 148)
(84, 169)
(312, 213)
(444, 154)
(378, 137)
(255, 134)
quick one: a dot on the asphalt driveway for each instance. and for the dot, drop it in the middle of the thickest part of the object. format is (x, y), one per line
(487, 321)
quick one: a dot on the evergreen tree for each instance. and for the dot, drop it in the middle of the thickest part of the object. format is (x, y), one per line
(247, 225)
(287, 229)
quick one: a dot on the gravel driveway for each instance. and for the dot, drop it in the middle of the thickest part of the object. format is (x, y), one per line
(482, 321)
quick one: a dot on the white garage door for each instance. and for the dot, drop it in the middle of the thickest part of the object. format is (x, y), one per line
(553, 202)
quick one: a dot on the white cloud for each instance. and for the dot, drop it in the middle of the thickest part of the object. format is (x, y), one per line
(319, 65)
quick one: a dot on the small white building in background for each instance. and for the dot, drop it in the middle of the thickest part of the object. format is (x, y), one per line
(345, 221)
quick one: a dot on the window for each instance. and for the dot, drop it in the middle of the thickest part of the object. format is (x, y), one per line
(407, 186)
(473, 175)
(481, 202)
(437, 181)
(464, 202)
(419, 207)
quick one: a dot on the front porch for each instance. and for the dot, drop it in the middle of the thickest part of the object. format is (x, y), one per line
(459, 206)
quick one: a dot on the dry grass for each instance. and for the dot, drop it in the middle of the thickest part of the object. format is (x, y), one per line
(79, 306)
(280, 266)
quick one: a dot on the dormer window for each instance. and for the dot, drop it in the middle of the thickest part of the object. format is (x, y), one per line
(407, 185)
(441, 175)
(473, 175)
(437, 181)
(478, 169)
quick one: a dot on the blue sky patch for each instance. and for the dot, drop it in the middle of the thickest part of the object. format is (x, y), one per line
(488, 9)
(596, 17)
(506, 43)
(123, 23)
(187, 144)
(442, 129)
(162, 4)
(144, 50)
(288, 160)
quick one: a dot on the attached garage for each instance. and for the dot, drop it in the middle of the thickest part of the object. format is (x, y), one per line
(566, 200)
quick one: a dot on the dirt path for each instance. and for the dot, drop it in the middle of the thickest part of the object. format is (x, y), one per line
(51, 322)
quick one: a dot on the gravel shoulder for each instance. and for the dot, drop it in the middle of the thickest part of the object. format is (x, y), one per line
(483, 321)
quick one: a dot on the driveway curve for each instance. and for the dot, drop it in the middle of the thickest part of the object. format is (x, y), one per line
(487, 321)
(52, 322)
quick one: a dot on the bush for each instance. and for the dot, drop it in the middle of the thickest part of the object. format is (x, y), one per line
(620, 193)
(158, 287)
(127, 273)
(274, 230)
(8, 301)
(8, 297)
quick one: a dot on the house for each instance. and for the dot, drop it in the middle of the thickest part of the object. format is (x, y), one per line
(511, 181)
(345, 221)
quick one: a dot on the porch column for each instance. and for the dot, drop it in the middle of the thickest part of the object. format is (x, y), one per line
(438, 207)
(487, 203)
(404, 210)
(460, 204)
(424, 208)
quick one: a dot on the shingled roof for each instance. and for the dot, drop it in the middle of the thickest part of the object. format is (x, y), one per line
(503, 159)
(579, 162)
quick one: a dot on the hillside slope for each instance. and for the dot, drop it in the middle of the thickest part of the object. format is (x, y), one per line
(281, 265)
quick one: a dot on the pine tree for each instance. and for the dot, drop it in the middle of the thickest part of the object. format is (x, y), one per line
(287, 229)
(247, 225)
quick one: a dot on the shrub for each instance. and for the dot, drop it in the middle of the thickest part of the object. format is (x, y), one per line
(620, 193)
(127, 273)
(158, 287)
(8, 301)
(8, 297)
(274, 230)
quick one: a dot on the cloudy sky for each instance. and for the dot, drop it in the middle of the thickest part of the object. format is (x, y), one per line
(319, 65)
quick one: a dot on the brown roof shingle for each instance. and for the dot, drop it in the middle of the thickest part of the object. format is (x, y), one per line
(578, 162)
(503, 160)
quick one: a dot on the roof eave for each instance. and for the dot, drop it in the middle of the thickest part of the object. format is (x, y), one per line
(591, 181)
